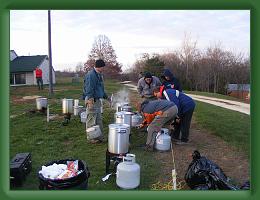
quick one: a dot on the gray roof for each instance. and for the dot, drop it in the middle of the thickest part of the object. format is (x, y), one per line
(26, 63)
(235, 87)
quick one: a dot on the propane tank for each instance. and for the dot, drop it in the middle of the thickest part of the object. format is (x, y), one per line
(163, 140)
(128, 173)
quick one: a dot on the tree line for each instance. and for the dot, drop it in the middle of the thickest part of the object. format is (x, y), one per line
(210, 70)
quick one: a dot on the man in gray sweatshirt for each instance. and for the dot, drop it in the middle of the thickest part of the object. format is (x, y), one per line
(157, 113)
(146, 85)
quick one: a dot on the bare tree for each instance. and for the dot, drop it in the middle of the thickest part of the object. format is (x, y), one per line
(188, 53)
(79, 68)
(102, 49)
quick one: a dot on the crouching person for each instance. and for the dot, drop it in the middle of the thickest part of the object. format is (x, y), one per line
(157, 113)
(186, 106)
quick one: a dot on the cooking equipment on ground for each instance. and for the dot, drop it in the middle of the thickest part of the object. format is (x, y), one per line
(123, 117)
(163, 140)
(128, 173)
(41, 103)
(136, 119)
(93, 132)
(118, 138)
(67, 110)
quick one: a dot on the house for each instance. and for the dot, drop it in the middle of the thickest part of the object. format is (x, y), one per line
(22, 69)
(241, 91)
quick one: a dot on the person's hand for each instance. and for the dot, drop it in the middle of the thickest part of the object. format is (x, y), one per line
(140, 126)
(177, 120)
(90, 104)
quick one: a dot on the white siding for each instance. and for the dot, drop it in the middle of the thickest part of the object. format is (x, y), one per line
(13, 55)
(45, 72)
(30, 78)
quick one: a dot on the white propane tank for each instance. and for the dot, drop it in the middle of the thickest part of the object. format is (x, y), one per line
(128, 173)
(163, 140)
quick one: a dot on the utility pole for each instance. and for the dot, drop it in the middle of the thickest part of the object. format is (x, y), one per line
(50, 55)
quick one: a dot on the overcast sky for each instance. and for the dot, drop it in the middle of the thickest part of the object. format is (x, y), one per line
(131, 32)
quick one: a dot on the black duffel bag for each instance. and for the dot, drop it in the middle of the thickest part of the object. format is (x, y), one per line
(78, 182)
(203, 174)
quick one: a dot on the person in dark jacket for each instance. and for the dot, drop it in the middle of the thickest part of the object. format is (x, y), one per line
(93, 92)
(186, 106)
(169, 81)
(157, 113)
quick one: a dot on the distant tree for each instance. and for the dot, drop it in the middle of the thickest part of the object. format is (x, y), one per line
(79, 69)
(102, 49)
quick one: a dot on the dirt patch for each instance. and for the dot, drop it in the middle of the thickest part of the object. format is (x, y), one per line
(20, 100)
(31, 97)
(233, 162)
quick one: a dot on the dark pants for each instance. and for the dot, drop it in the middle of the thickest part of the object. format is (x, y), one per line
(182, 130)
(40, 83)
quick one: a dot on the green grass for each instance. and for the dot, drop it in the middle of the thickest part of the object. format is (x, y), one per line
(233, 127)
(215, 95)
(53, 141)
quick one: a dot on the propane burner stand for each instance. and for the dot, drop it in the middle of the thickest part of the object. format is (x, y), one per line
(116, 158)
(67, 117)
(42, 111)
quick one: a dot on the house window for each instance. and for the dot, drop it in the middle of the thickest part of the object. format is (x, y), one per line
(16, 79)
(20, 79)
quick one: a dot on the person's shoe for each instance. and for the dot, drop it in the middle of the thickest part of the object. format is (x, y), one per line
(94, 141)
(175, 140)
(181, 143)
(103, 140)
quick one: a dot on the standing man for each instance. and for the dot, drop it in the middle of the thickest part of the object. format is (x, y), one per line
(186, 106)
(38, 74)
(146, 86)
(157, 113)
(93, 92)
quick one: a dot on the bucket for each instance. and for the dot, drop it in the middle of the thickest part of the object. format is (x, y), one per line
(41, 103)
(93, 132)
(78, 182)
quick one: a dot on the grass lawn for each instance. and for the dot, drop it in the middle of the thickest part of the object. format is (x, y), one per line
(233, 127)
(53, 141)
(214, 95)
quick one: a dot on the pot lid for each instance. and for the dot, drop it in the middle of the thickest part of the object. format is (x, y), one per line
(119, 126)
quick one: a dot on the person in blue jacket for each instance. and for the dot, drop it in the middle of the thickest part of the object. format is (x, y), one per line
(186, 106)
(169, 81)
(93, 92)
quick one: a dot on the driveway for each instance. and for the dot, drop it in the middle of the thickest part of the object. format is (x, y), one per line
(228, 104)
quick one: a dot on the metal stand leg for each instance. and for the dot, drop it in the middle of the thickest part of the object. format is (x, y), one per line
(107, 162)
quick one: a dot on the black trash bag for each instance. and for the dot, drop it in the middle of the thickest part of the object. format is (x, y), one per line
(79, 182)
(204, 174)
(245, 186)
(201, 187)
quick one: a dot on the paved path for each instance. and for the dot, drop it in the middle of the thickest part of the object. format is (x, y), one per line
(228, 104)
